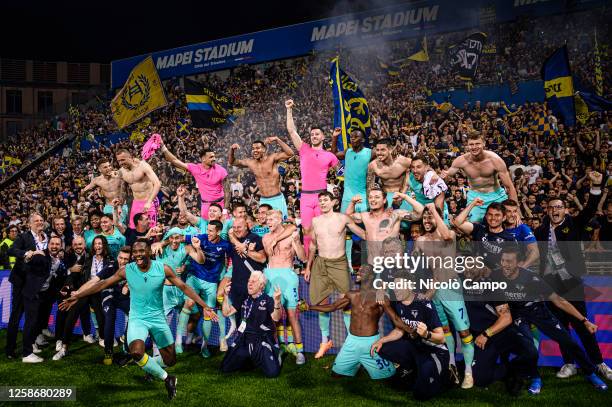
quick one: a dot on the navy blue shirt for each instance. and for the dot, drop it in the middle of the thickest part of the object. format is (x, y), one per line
(240, 272)
(525, 291)
(116, 290)
(257, 312)
(490, 245)
(420, 311)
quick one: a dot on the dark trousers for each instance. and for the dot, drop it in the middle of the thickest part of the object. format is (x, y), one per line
(110, 307)
(574, 293)
(15, 317)
(258, 350)
(485, 368)
(81, 306)
(238, 298)
(36, 310)
(431, 367)
(540, 316)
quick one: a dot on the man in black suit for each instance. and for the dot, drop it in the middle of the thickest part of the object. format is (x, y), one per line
(44, 277)
(33, 241)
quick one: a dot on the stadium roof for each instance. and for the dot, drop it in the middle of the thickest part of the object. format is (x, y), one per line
(105, 31)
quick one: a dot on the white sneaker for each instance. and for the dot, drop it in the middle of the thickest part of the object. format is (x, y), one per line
(101, 342)
(58, 345)
(567, 370)
(48, 333)
(35, 348)
(300, 359)
(32, 358)
(223, 345)
(60, 354)
(605, 371)
(468, 381)
(41, 341)
(89, 339)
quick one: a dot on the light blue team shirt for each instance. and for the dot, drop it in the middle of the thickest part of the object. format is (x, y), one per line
(356, 171)
(203, 228)
(146, 291)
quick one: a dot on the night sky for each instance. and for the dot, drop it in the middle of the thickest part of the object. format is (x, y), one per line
(100, 31)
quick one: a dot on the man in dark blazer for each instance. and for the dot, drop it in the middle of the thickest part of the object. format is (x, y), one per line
(562, 265)
(33, 241)
(44, 277)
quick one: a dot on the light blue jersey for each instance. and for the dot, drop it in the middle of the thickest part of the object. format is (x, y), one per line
(355, 174)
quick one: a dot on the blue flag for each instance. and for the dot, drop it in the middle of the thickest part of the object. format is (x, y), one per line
(351, 109)
(558, 86)
(595, 103)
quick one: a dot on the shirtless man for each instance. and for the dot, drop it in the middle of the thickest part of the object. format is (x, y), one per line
(329, 270)
(381, 222)
(315, 163)
(144, 183)
(391, 171)
(439, 241)
(211, 179)
(280, 274)
(365, 314)
(484, 170)
(110, 186)
(265, 168)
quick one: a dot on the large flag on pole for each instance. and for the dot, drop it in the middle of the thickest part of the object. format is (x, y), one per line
(141, 94)
(351, 109)
(558, 85)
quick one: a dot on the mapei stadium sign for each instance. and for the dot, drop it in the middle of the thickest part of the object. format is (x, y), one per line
(390, 23)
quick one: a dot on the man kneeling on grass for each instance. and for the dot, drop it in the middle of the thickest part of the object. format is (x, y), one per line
(254, 339)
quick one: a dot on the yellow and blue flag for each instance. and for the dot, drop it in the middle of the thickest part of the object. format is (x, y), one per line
(598, 70)
(141, 94)
(208, 108)
(390, 69)
(182, 127)
(351, 109)
(558, 85)
(588, 103)
(540, 124)
(418, 54)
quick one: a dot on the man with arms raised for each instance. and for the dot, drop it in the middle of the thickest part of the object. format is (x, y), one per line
(145, 279)
(392, 172)
(381, 222)
(328, 271)
(440, 242)
(484, 170)
(211, 179)
(265, 168)
(279, 273)
(110, 186)
(315, 162)
(144, 183)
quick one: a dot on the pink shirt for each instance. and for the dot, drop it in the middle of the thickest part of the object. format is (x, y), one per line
(314, 165)
(209, 182)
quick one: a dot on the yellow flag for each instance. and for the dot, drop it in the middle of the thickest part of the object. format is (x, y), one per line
(141, 94)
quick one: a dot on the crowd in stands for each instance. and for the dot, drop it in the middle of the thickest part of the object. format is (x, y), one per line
(541, 165)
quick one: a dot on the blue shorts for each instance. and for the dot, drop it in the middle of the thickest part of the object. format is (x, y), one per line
(276, 202)
(157, 327)
(108, 209)
(356, 352)
(450, 305)
(478, 212)
(288, 282)
(206, 290)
